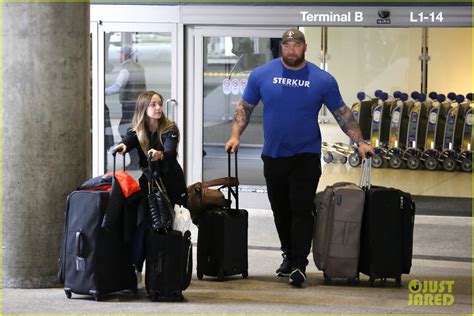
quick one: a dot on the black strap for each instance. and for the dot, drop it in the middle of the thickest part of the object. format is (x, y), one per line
(158, 183)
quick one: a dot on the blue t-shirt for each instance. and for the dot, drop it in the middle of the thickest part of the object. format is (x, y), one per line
(292, 100)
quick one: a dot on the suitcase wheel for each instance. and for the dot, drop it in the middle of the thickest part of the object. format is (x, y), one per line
(153, 296)
(220, 275)
(97, 297)
(200, 275)
(399, 281)
(353, 281)
(173, 297)
(371, 281)
(68, 293)
(245, 274)
(327, 280)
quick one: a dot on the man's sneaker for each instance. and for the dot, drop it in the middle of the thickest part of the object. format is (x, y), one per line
(285, 268)
(297, 277)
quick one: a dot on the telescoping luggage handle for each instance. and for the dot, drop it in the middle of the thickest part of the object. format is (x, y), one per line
(114, 154)
(365, 174)
(232, 190)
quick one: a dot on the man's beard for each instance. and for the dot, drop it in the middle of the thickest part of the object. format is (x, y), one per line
(294, 62)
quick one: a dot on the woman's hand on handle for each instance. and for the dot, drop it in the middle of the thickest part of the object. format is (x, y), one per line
(121, 149)
(155, 154)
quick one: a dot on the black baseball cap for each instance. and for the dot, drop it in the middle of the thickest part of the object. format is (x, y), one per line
(293, 35)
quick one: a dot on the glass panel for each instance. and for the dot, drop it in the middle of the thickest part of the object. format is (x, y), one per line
(450, 63)
(386, 59)
(367, 59)
(228, 62)
(134, 62)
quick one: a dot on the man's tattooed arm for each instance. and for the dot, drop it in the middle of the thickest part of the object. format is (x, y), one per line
(348, 123)
(242, 115)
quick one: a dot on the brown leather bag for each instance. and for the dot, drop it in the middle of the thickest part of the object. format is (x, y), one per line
(202, 198)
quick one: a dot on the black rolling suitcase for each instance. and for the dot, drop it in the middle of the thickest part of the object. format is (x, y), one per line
(93, 260)
(169, 264)
(387, 234)
(222, 248)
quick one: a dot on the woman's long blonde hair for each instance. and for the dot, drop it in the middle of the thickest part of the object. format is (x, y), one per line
(139, 121)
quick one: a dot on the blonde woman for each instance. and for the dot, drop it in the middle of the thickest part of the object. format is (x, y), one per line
(152, 133)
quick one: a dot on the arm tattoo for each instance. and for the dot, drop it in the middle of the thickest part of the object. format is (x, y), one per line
(242, 115)
(348, 123)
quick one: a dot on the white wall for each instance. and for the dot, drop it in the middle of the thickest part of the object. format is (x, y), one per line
(366, 59)
(450, 66)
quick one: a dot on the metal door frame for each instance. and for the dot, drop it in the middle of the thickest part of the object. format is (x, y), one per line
(194, 86)
(98, 79)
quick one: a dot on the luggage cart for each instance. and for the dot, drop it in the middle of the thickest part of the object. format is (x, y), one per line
(434, 131)
(464, 159)
(453, 134)
(398, 130)
(417, 124)
(452, 137)
(362, 112)
(380, 128)
(332, 152)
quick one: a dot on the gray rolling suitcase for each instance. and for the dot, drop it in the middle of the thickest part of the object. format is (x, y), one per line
(337, 229)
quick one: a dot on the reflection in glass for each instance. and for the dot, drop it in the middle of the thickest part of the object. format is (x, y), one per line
(134, 62)
(228, 62)
(367, 59)
(450, 60)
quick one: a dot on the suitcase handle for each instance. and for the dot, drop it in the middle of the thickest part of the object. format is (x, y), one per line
(233, 186)
(365, 175)
(79, 242)
(114, 154)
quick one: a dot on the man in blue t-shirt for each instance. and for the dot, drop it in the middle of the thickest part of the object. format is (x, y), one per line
(293, 91)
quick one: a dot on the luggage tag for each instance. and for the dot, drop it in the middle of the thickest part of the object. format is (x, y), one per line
(80, 264)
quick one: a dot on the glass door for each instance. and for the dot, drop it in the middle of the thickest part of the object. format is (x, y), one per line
(131, 58)
(223, 62)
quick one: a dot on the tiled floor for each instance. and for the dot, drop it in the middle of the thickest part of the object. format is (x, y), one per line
(442, 252)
